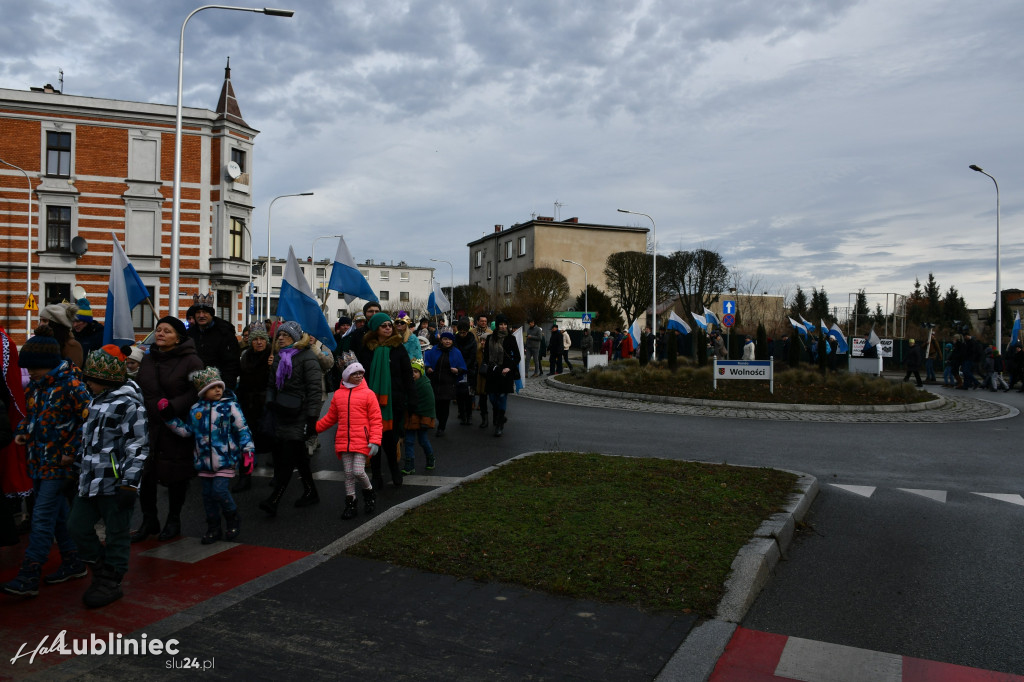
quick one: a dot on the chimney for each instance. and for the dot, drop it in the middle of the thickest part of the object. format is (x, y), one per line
(545, 219)
(573, 220)
(497, 228)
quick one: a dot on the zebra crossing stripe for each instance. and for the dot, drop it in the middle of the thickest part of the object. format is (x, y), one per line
(937, 495)
(862, 490)
(1003, 497)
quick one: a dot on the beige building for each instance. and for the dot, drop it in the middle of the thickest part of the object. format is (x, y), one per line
(496, 259)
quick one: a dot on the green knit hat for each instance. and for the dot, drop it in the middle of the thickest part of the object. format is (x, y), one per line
(106, 366)
(377, 320)
(205, 379)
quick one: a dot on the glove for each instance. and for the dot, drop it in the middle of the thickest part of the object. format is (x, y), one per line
(163, 406)
(126, 497)
(374, 449)
(310, 427)
(248, 461)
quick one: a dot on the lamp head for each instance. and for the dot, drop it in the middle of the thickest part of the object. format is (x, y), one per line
(271, 12)
(975, 167)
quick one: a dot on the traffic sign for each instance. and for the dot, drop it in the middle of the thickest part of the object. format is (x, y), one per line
(729, 307)
(30, 304)
(586, 318)
(728, 320)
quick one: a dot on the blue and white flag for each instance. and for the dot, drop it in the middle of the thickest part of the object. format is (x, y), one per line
(799, 327)
(836, 333)
(701, 322)
(518, 336)
(709, 315)
(635, 330)
(437, 303)
(824, 328)
(1015, 334)
(676, 322)
(807, 325)
(296, 303)
(872, 340)
(124, 292)
(346, 278)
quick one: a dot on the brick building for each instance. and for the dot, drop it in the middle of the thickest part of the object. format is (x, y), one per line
(99, 167)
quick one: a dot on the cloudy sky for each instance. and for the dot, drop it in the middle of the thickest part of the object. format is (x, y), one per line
(818, 143)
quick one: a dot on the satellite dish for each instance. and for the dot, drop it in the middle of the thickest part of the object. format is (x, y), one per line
(79, 246)
(233, 170)
(79, 292)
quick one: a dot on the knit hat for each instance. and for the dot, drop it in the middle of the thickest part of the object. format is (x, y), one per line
(377, 320)
(205, 379)
(106, 366)
(137, 354)
(417, 365)
(257, 330)
(178, 325)
(500, 318)
(911, 342)
(60, 313)
(351, 369)
(291, 328)
(342, 320)
(464, 324)
(446, 333)
(84, 310)
(42, 351)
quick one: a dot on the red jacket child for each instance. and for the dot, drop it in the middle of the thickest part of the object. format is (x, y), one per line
(357, 414)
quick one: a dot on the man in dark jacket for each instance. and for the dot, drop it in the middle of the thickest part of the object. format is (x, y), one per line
(216, 343)
(913, 363)
(556, 346)
(88, 331)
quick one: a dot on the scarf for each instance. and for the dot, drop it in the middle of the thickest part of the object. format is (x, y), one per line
(496, 350)
(284, 365)
(379, 381)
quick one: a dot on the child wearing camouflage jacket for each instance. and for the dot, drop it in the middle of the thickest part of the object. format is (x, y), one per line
(222, 440)
(115, 445)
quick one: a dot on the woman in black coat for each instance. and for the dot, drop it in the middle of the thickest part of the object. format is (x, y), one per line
(383, 353)
(163, 374)
(254, 370)
(465, 341)
(501, 353)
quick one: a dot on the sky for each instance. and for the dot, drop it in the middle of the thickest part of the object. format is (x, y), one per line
(813, 143)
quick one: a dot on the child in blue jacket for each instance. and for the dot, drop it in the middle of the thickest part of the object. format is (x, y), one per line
(222, 440)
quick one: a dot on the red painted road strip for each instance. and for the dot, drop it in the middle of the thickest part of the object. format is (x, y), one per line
(153, 590)
(753, 656)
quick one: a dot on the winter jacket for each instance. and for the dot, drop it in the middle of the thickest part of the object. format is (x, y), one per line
(115, 442)
(90, 338)
(413, 346)
(426, 410)
(914, 358)
(748, 350)
(57, 405)
(304, 384)
(556, 344)
(217, 346)
(403, 395)
(164, 374)
(439, 363)
(357, 414)
(221, 434)
(534, 336)
(252, 383)
(495, 380)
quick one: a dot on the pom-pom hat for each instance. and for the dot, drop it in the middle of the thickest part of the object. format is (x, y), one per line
(106, 366)
(42, 351)
(205, 379)
(291, 328)
(84, 311)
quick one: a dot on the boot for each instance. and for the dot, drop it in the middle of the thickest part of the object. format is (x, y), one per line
(309, 495)
(499, 422)
(234, 525)
(269, 505)
(213, 532)
(71, 567)
(26, 583)
(350, 508)
(430, 461)
(369, 501)
(483, 420)
(242, 483)
(150, 526)
(409, 468)
(172, 529)
(105, 588)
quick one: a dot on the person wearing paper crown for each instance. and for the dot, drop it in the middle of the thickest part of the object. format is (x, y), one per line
(215, 340)
(222, 441)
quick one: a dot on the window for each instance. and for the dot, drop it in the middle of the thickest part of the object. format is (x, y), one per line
(225, 302)
(237, 237)
(56, 292)
(341, 294)
(365, 274)
(385, 296)
(58, 153)
(142, 315)
(276, 270)
(321, 272)
(403, 296)
(403, 276)
(508, 250)
(58, 228)
(238, 156)
(479, 259)
(488, 269)
(508, 282)
(385, 275)
(522, 246)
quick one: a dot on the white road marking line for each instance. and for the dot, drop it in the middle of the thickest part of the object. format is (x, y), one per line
(804, 659)
(937, 495)
(1003, 497)
(862, 490)
(188, 550)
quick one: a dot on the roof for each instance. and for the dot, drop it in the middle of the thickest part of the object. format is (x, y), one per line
(572, 223)
(227, 105)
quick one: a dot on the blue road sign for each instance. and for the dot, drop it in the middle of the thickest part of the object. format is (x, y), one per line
(586, 318)
(729, 307)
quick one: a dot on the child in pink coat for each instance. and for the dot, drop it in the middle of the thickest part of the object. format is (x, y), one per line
(355, 410)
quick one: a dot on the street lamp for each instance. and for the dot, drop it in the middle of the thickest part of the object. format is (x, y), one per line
(269, 211)
(999, 290)
(451, 288)
(28, 278)
(586, 301)
(176, 196)
(654, 284)
(312, 257)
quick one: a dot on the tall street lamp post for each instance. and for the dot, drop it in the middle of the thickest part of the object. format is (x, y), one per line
(586, 286)
(248, 314)
(312, 257)
(451, 288)
(176, 196)
(28, 278)
(999, 289)
(269, 211)
(654, 283)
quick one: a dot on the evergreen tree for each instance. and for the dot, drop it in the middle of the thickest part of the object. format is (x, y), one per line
(606, 314)
(954, 308)
(933, 299)
(862, 311)
(799, 305)
(819, 309)
(761, 349)
(916, 304)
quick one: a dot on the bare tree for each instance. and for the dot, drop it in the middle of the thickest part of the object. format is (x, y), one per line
(697, 278)
(629, 278)
(541, 291)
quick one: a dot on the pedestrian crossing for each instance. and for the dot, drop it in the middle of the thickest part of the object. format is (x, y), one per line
(940, 496)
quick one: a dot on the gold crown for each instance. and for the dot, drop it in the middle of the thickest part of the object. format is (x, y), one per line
(203, 300)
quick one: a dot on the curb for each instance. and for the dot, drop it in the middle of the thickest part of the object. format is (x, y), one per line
(778, 407)
(695, 659)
